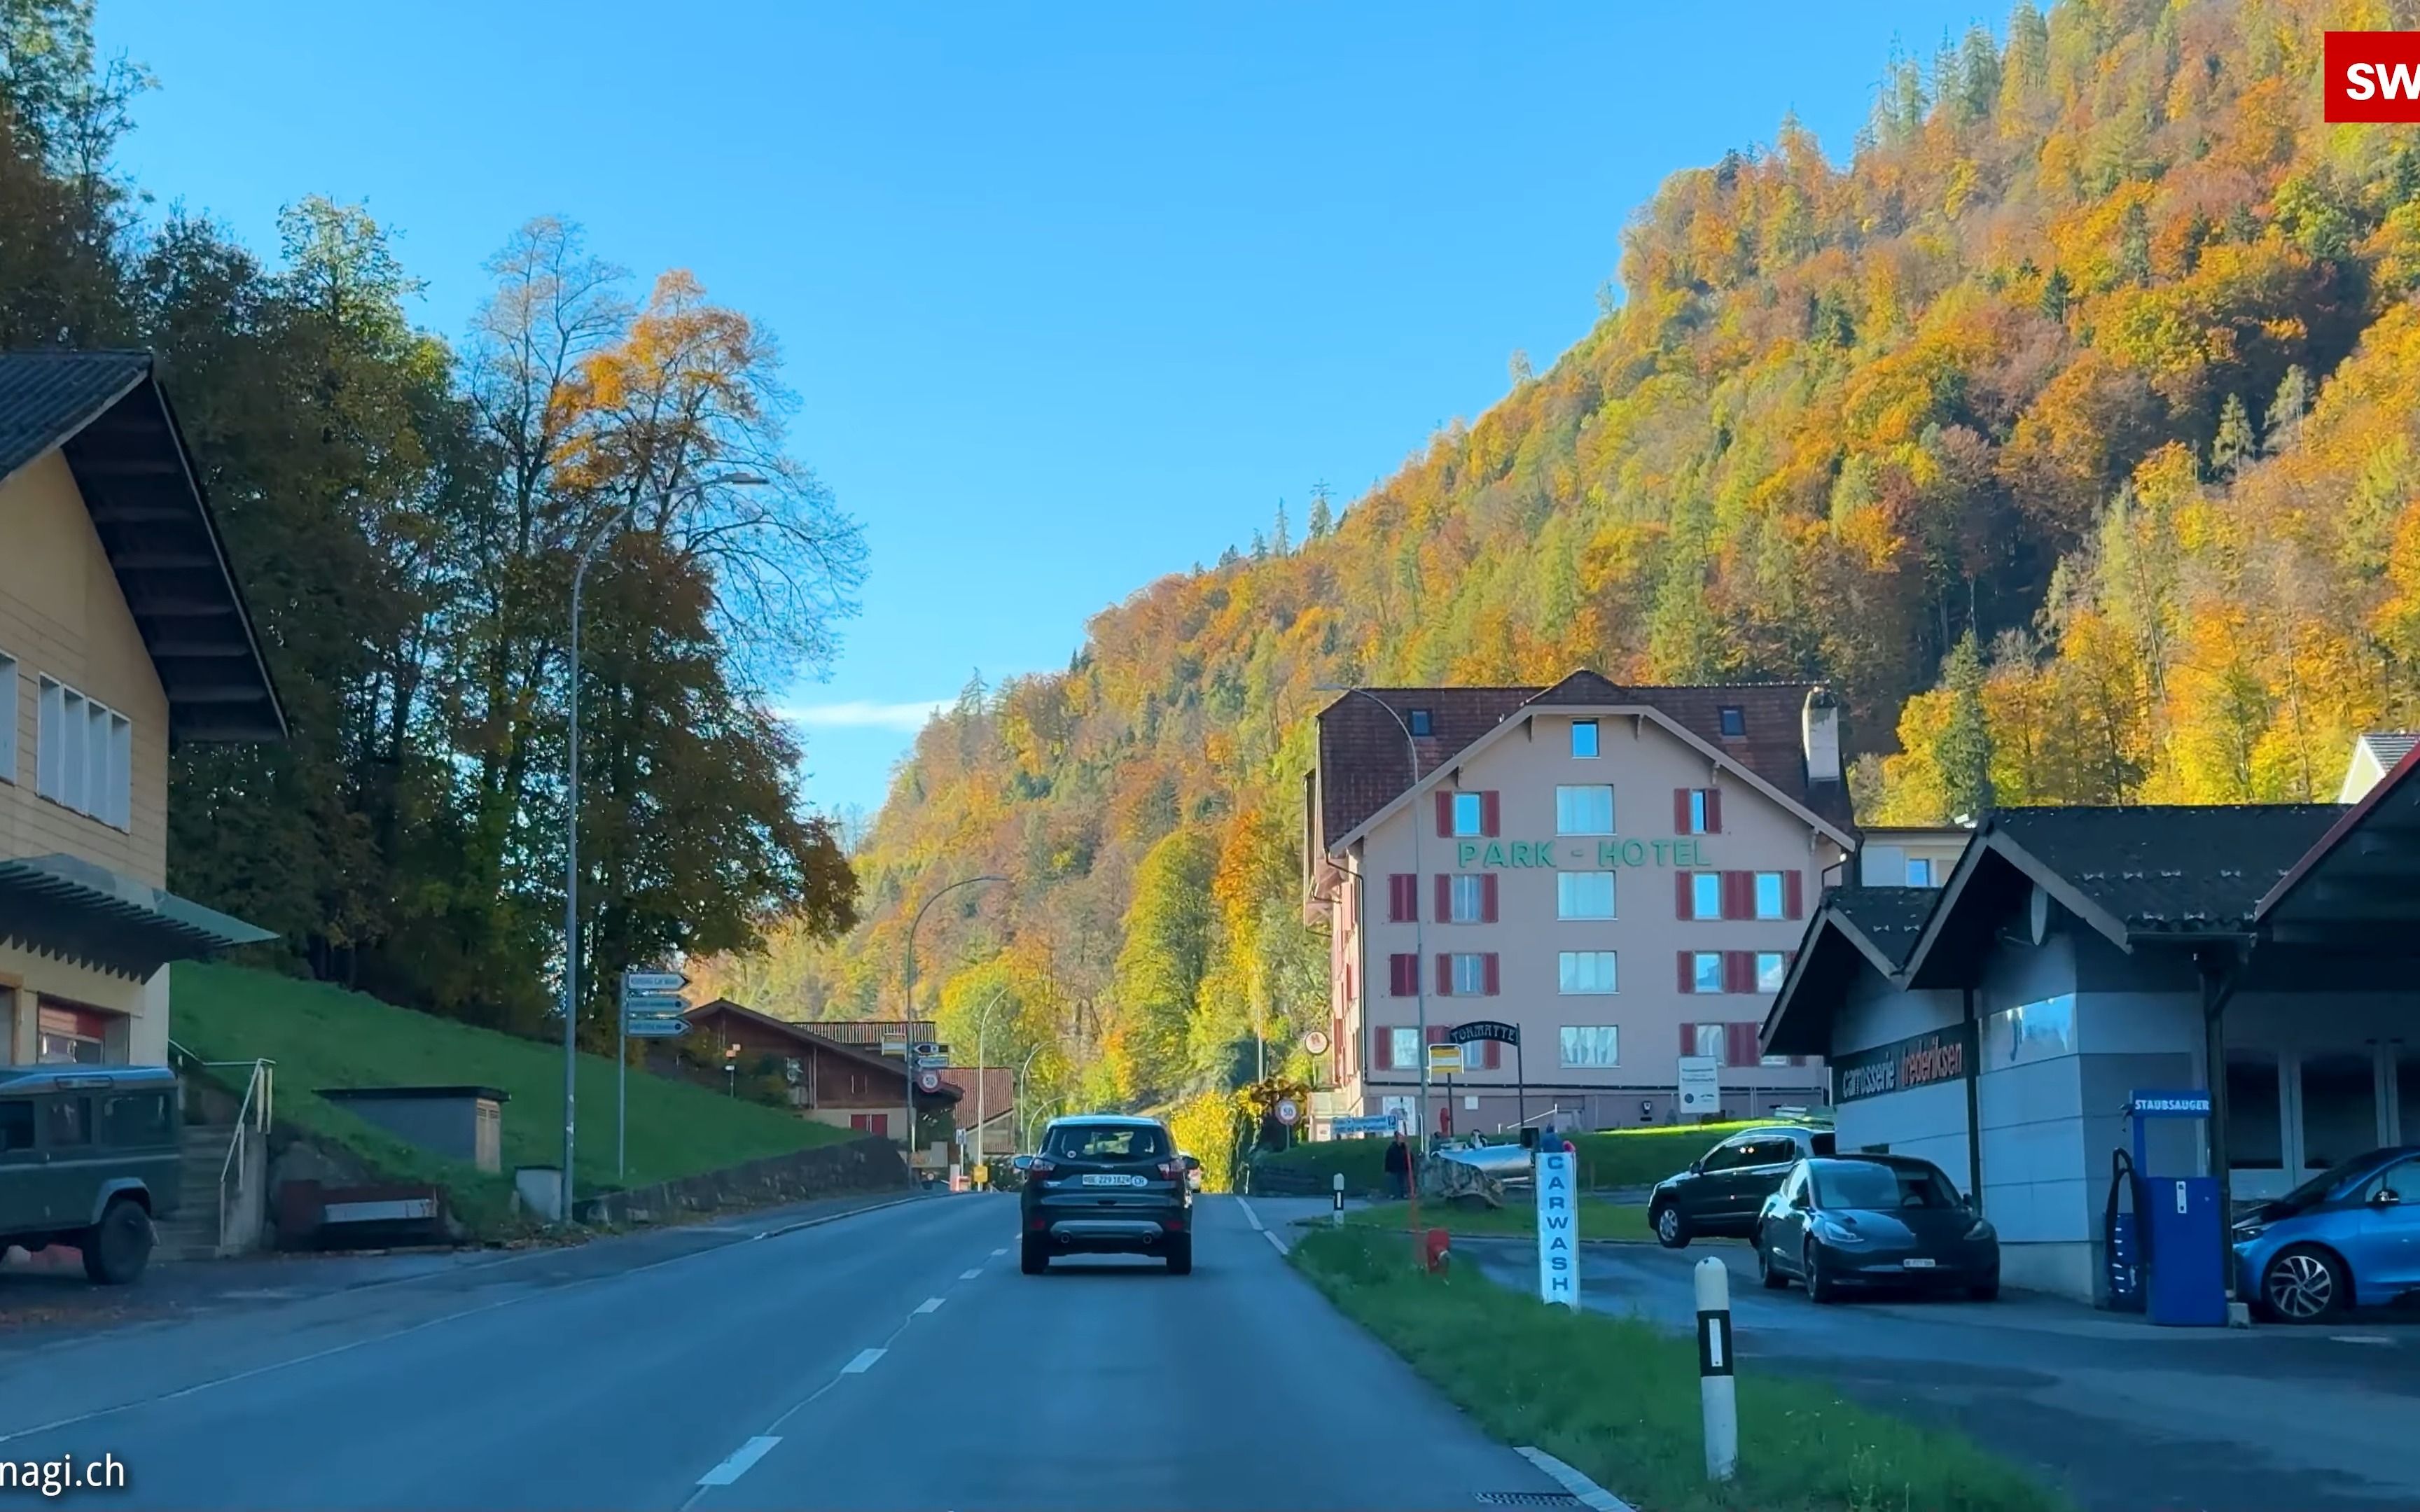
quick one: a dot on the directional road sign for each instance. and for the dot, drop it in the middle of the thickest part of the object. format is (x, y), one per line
(653, 1005)
(656, 1028)
(895, 1048)
(652, 981)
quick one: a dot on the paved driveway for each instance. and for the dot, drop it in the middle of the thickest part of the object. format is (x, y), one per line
(2129, 1416)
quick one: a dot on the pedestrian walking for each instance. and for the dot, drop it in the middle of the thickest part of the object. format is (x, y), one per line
(1399, 1167)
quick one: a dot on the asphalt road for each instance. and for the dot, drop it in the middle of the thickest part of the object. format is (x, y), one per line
(895, 1359)
(2130, 1417)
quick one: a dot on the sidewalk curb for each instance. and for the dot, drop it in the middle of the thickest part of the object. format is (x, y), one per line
(829, 1218)
(1590, 1493)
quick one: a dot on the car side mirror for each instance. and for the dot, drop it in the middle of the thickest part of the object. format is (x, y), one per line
(2386, 1198)
(1191, 1164)
(1698, 1166)
(1020, 1162)
(1802, 1201)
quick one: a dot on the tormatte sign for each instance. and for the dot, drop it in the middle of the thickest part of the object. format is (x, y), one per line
(1918, 1060)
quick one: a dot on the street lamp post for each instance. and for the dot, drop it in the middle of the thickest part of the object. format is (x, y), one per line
(1021, 1072)
(908, 1006)
(983, 1026)
(1420, 950)
(607, 529)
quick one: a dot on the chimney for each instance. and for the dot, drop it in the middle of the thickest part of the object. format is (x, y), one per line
(1820, 724)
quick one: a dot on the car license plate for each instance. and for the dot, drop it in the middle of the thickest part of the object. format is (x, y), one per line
(1113, 1180)
(1918, 1263)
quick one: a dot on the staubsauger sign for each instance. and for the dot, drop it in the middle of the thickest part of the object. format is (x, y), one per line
(1918, 1060)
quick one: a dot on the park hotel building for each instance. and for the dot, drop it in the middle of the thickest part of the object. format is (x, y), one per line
(1622, 873)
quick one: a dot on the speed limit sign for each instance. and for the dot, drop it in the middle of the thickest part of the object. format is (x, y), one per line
(928, 1081)
(1287, 1110)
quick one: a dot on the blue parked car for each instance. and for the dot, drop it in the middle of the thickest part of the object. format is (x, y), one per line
(2349, 1237)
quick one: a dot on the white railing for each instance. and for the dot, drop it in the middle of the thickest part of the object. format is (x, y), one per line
(253, 1115)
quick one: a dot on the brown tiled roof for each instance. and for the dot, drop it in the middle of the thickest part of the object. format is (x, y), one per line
(999, 1089)
(1363, 765)
(807, 1038)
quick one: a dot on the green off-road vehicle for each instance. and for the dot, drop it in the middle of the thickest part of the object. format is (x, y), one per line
(88, 1157)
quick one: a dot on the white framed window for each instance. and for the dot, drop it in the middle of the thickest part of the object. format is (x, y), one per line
(85, 755)
(1592, 1045)
(1582, 972)
(8, 718)
(1469, 973)
(1701, 812)
(1713, 1039)
(1705, 976)
(1404, 1048)
(1470, 814)
(1468, 899)
(1584, 809)
(1584, 895)
(1770, 966)
(1584, 745)
(1768, 895)
(1705, 895)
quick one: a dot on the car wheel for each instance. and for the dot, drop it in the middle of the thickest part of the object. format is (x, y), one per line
(1672, 1229)
(1031, 1258)
(1180, 1255)
(2306, 1285)
(1819, 1286)
(116, 1248)
(1773, 1279)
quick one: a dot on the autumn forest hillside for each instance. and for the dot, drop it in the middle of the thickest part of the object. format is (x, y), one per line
(2066, 427)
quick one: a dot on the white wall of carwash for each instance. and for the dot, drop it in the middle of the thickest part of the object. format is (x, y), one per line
(2296, 1031)
(1928, 1122)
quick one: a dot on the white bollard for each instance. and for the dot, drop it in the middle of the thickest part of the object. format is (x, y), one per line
(1336, 1217)
(1714, 1388)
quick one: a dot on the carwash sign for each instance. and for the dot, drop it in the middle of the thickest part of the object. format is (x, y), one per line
(1903, 1065)
(1559, 1229)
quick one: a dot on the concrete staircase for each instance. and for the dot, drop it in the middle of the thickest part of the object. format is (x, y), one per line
(193, 1233)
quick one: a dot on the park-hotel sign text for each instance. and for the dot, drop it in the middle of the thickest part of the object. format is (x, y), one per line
(1596, 856)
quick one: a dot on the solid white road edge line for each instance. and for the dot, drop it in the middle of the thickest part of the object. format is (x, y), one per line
(736, 1466)
(1275, 1243)
(863, 1363)
(1589, 1492)
(1250, 1216)
(930, 1304)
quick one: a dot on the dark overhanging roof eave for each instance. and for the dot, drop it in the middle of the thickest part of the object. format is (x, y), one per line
(1922, 971)
(72, 909)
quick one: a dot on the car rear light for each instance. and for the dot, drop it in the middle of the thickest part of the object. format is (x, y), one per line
(1172, 1170)
(1172, 1224)
(1040, 1168)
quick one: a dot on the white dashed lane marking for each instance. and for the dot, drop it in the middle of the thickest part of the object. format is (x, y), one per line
(968, 1275)
(863, 1363)
(736, 1466)
(931, 1305)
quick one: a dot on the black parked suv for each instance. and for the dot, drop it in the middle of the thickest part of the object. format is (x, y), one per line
(1723, 1190)
(1104, 1183)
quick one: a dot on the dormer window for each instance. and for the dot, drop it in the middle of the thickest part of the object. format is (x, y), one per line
(1734, 722)
(1419, 722)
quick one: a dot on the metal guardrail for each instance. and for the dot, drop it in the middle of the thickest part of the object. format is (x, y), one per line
(253, 1118)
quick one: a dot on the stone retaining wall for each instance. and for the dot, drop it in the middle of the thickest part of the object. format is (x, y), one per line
(862, 1165)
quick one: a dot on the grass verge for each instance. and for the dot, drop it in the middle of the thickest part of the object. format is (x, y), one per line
(323, 1037)
(1618, 1400)
(1599, 1219)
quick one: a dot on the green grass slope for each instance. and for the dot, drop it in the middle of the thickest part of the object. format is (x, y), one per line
(323, 1037)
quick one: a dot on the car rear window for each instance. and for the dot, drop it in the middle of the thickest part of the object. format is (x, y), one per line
(135, 1118)
(1857, 1183)
(1105, 1141)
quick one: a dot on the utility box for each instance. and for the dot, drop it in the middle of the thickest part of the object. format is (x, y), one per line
(464, 1124)
(2187, 1281)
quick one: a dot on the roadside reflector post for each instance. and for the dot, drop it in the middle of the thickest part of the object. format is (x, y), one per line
(1714, 1386)
(1336, 1215)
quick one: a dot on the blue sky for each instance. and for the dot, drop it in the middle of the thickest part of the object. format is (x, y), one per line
(1071, 295)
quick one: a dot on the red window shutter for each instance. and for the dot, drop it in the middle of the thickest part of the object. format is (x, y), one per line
(881, 1123)
(1680, 811)
(1487, 899)
(1445, 976)
(1739, 971)
(1382, 1049)
(1488, 962)
(1400, 887)
(1491, 814)
(1714, 810)
(1741, 1051)
(1444, 897)
(1398, 974)
(1739, 895)
(1437, 1032)
(1688, 1039)
(1445, 816)
(1681, 894)
(1794, 887)
(1688, 976)
(1348, 981)
(1493, 1055)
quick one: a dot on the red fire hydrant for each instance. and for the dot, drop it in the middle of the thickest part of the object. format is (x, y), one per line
(1434, 1250)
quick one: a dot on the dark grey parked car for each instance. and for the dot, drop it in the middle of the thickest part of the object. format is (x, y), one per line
(1719, 1194)
(1874, 1220)
(89, 1157)
(1105, 1183)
